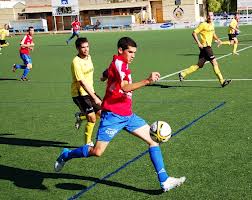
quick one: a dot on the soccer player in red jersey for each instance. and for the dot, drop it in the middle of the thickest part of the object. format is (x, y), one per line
(26, 46)
(76, 25)
(117, 115)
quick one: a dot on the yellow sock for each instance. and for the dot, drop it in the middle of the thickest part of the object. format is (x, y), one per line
(226, 42)
(218, 73)
(189, 70)
(88, 132)
(235, 48)
(5, 45)
(83, 117)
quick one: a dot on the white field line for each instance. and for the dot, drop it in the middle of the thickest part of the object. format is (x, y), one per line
(169, 75)
(205, 80)
(238, 36)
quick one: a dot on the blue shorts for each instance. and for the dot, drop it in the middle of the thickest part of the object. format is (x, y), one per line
(26, 58)
(111, 124)
(75, 33)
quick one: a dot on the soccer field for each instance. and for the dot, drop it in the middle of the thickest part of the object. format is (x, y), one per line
(211, 143)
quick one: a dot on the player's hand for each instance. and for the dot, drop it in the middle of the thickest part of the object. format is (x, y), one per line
(154, 76)
(103, 78)
(98, 101)
(219, 43)
(200, 46)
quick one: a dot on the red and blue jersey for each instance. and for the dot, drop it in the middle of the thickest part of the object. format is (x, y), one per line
(115, 99)
(76, 25)
(26, 40)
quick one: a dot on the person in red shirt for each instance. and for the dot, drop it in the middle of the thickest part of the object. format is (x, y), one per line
(117, 115)
(26, 46)
(76, 26)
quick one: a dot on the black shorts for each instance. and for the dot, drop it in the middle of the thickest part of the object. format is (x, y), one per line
(3, 42)
(231, 36)
(206, 53)
(86, 104)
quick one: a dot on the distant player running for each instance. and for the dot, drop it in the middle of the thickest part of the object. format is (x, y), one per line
(117, 115)
(207, 33)
(3, 33)
(76, 26)
(232, 34)
(26, 46)
(83, 92)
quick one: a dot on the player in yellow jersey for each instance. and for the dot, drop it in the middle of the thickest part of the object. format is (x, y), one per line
(233, 31)
(207, 34)
(3, 33)
(82, 89)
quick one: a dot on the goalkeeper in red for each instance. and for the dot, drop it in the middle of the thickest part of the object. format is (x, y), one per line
(207, 34)
(117, 115)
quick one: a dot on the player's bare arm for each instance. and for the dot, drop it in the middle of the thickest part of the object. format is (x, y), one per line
(195, 37)
(216, 38)
(127, 87)
(89, 91)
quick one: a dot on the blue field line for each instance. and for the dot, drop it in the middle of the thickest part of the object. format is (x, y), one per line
(143, 153)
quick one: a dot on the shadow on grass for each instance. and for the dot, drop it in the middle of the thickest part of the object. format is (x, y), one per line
(179, 86)
(31, 142)
(32, 179)
(197, 54)
(9, 79)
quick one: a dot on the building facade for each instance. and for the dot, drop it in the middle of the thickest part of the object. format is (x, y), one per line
(144, 10)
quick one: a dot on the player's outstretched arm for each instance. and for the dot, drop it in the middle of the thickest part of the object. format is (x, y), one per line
(127, 87)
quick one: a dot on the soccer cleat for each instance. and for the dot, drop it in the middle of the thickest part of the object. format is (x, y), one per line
(67, 42)
(181, 78)
(24, 79)
(226, 82)
(172, 182)
(235, 54)
(91, 144)
(14, 67)
(78, 120)
(60, 162)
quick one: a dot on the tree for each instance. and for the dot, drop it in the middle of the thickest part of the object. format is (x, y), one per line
(214, 5)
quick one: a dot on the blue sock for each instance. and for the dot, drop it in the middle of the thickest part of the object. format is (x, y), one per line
(26, 71)
(157, 160)
(78, 153)
(20, 66)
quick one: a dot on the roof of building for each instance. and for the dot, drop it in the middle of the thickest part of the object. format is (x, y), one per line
(10, 4)
(48, 8)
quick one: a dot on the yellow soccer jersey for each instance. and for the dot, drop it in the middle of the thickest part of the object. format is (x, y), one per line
(3, 33)
(206, 31)
(82, 69)
(233, 24)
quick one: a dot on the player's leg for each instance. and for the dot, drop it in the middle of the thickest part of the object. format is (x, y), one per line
(227, 42)
(219, 74)
(71, 37)
(28, 62)
(192, 68)
(109, 127)
(235, 41)
(139, 128)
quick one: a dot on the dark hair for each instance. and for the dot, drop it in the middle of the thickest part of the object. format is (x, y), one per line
(125, 42)
(30, 27)
(80, 41)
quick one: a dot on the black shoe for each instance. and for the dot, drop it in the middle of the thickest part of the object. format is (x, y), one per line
(181, 78)
(226, 82)
(14, 67)
(24, 79)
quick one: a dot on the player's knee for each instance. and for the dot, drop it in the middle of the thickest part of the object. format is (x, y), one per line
(91, 118)
(29, 66)
(97, 152)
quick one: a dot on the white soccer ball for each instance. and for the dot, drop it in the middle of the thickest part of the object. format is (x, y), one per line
(160, 131)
